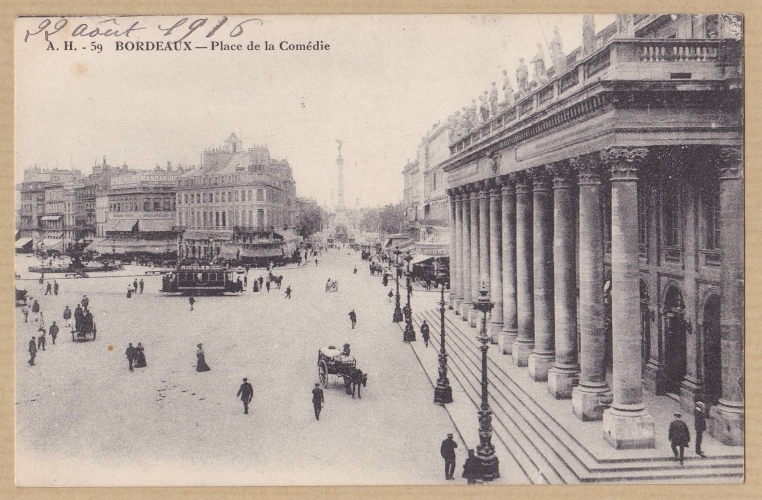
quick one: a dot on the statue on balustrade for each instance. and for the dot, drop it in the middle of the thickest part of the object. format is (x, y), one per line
(557, 52)
(539, 66)
(493, 99)
(473, 119)
(484, 107)
(522, 78)
(588, 34)
(625, 25)
(507, 88)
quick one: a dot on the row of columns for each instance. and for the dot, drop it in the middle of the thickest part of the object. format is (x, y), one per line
(516, 235)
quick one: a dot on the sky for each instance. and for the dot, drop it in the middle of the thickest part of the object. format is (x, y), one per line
(382, 85)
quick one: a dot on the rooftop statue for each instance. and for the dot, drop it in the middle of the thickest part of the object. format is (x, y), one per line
(507, 88)
(484, 107)
(625, 25)
(493, 99)
(557, 52)
(588, 34)
(539, 66)
(522, 77)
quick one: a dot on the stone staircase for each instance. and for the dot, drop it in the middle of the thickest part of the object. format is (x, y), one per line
(545, 450)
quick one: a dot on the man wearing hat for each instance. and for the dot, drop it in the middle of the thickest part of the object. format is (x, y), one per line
(246, 392)
(679, 436)
(32, 351)
(699, 418)
(317, 400)
(448, 453)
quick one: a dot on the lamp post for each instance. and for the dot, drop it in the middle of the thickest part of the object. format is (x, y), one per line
(488, 466)
(443, 391)
(397, 317)
(409, 333)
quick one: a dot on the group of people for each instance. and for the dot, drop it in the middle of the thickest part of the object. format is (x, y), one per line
(136, 285)
(136, 356)
(51, 289)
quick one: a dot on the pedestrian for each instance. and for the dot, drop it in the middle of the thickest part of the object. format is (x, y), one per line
(85, 302)
(49, 289)
(25, 312)
(679, 436)
(355, 270)
(135, 284)
(201, 365)
(353, 318)
(140, 357)
(261, 281)
(246, 279)
(32, 351)
(78, 317)
(130, 353)
(41, 338)
(246, 392)
(470, 466)
(141, 285)
(53, 332)
(255, 288)
(390, 295)
(191, 301)
(316, 262)
(699, 416)
(267, 285)
(288, 292)
(447, 450)
(35, 308)
(55, 287)
(129, 292)
(317, 400)
(425, 332)
(67, 316)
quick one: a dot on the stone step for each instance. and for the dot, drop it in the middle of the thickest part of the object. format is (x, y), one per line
(545, 441)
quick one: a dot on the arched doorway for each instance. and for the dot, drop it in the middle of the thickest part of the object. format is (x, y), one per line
(675, 357)
(645, 325)
(712, 350)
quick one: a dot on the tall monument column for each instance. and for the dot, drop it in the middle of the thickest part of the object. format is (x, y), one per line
(524, 344)
(565, 372)
(465, 267)
(452, 197)
(727, 422)
(544, 354)
(508, 226)
(475, 229)
(626, 424)
(593, 394)
(495, 262)
(339, 178)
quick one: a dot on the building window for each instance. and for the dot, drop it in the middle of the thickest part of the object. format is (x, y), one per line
(223, 197)
(710, 206)
(216, 196)
(198, 197)
(260, 219)
(249, 194)
(224, 221)
(156, 205)
(167, 205)
(642, 220)
(671, 215)
(186, 199)
(236, 196)
(260, 195)
(434, 180)
(216, 219)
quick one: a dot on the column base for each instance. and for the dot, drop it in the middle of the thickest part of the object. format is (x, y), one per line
(465, 307)
(456, 306)
(589, 402)
(509, 338)
(562, 380)
(653, 378)
(539, 365)
(726, 423)
(626, 429)
(521, 351)
(473, 318)
(690, 391)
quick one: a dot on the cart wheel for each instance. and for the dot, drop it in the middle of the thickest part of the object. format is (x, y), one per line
(323, 374)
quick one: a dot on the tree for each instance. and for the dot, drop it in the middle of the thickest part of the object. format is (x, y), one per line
(384, 220)
(310, 217)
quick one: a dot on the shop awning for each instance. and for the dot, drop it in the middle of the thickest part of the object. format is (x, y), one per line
(107, 246)
(228, 252)
(156, 225)
(200, 234)
(51, 217)
(23, 242)
(93, 246)
(121, 225)
(420, 258)
(52, 244)
(261, 252)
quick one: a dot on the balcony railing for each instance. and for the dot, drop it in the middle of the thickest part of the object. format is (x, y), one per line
(641, 59)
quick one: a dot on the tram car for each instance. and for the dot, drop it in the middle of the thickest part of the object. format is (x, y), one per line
(202, 280)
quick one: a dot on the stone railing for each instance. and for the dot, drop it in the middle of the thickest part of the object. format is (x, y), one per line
(634, 59)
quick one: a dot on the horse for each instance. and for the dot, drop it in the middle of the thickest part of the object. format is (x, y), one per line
(358, 378)
(277, 280)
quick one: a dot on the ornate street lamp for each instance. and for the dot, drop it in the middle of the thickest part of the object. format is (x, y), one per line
(409, 333)
(443, 391)
(488, 466)
(397, 317)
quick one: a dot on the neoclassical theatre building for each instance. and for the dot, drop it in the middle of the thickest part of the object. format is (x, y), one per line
(604, 211)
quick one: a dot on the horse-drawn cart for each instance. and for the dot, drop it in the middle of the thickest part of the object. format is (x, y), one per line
(332, 361)
(20, 297)
(332, 286)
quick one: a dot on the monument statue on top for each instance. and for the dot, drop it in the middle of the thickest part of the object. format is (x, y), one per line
(522, 78)
(539, 66)
(557, 52)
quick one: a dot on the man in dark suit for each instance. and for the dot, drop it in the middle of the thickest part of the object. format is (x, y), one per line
(32, 351)
(246, 392)
(130, 353)
(699, 417)
(448, 453)
(679, 436)
(317, 400)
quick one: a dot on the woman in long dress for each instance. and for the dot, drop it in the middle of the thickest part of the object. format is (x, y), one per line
(140, 357)
(201, 365)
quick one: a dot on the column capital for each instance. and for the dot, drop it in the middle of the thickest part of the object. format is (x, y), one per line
(588, 168)
(522, 182)
(624, 162)
(540, 178)
(506, 185)
(482, 188)
(561, 172)
(730, 162)
(495, 187)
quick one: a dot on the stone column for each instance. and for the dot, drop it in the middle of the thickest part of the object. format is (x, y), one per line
(593, 394)
(495, 263)
(510, 321)
(465, 255)
(456, 260)
(543, 355)
(565, 372)
(728, 417)
(484, 235)
(626, 424)
(524, 343)
(453, 269)
(473, 314)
